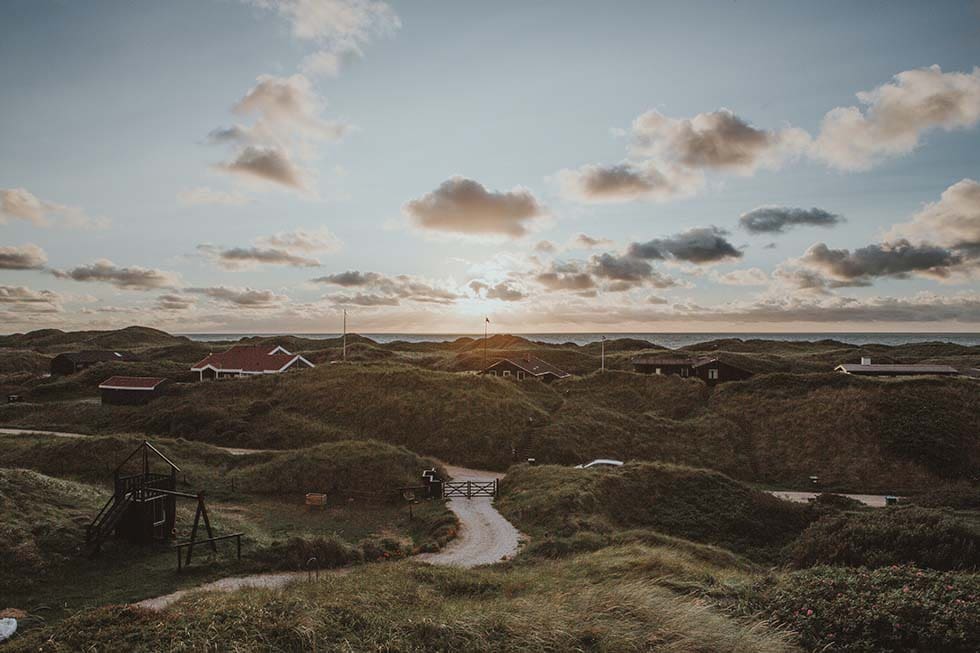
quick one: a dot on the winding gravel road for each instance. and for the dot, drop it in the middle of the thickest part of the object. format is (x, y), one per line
(484, 535)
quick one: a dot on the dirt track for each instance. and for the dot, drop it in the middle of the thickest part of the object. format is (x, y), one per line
(484, 535)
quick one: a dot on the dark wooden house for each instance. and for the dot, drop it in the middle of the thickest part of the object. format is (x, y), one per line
(525, 367)
(76, 361)
(710, 370)
(131, 390)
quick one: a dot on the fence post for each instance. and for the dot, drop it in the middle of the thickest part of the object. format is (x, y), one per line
(469, 489)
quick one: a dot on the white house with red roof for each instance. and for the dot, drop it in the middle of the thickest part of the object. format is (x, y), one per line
(248, 360)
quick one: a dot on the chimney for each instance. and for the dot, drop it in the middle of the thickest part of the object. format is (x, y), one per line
(865, 360)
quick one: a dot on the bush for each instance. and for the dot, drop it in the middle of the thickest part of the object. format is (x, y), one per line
(928, 538)
(898, 608)
(959, 496)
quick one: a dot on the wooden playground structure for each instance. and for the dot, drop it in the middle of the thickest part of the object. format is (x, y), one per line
(143, 508)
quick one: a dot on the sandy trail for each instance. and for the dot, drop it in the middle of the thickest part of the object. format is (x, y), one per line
(873, 500)
(484, 535)
(235, 583)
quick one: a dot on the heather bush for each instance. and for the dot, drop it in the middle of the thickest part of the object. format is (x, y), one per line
(927, 538)
(896, 608)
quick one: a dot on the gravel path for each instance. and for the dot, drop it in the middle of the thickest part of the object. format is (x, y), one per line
(873, 500)
(484, 535)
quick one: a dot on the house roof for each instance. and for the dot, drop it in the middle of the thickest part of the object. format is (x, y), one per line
(533, 366)
(97, 356)
(131, 383)
(875, 368)
(662, 360)
(254, 359)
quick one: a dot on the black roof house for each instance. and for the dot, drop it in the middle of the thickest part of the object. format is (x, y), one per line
(76, 361)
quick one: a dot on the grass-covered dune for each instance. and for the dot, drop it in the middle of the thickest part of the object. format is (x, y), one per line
(888, 435)
(618, 600)
(43, 522)
(872, 435)
(364, 468)
(695, 504)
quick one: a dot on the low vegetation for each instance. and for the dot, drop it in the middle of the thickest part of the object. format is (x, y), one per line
(890, 609)
(923, 537)
(612, 600)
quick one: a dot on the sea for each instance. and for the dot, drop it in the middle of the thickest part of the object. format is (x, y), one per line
(669, 340)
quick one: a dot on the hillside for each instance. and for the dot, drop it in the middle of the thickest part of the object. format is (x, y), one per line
(54, 341)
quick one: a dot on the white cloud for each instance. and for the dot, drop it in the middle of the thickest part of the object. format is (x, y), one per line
(895, 115)
(203, 195)
(21, 204)
(25, 257)
(953, 221)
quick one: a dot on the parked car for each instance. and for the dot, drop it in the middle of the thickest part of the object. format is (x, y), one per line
(601, 462)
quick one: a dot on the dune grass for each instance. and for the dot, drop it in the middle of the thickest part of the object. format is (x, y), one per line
(606, 601)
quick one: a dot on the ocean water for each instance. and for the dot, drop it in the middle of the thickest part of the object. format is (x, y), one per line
(669, 340)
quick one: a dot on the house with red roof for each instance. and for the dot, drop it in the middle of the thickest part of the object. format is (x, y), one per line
(131, 390)
(249, 360)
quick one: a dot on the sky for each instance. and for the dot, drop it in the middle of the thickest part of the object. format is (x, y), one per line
(262, 166)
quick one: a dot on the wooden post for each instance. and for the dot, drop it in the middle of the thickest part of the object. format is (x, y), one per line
(238, 542)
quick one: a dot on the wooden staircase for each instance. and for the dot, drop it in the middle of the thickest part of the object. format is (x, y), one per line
(105, 522)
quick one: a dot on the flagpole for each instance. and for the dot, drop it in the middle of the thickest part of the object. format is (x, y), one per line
(345, 334)
(603, 368)
(486, 323)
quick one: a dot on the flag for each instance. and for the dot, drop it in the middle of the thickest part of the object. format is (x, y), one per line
(488, 320)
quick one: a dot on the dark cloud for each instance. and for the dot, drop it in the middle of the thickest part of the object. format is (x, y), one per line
(25, 257)
(584, 241)
(701, 245)
(173, 302)
(777, 219)
(503, 291)
(266, 163)
(465, 206)
(719, 139)
(21, 299)
(238, 257)
(898, 259)
(129, 278)
(400, 286)
(241, 297)
(625, 182)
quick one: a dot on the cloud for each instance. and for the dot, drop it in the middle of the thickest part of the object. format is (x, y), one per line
(268, 164)
(611, 272)
(563, 278)
(363, 299)
(584, 241)
(128, 278)
(21, 204)
(504, 291)
(899, 259)
(174, 302)
(206, 196)
(701, 246)
(241, 297)
(276, 148)
(545, 247)
(778, 219)
(21, 299)
(338, 27)
(745, 277)
(465, 206)
(716, 140)
(303, 240)
(398, 287)
(237, 258)
(25, 257)
(953, 221)
(626, 182)
(895, 115)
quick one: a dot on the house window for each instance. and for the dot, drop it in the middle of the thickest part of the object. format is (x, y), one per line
(712, 375)
(506, 372)
(684, 371)
(520, 376)
(494, 372)
(657, 372)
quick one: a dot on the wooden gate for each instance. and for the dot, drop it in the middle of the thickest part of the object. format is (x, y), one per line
(469, 489)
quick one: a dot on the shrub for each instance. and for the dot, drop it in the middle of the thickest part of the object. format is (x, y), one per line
(960, 496)
(898, 608)
(928, 538)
